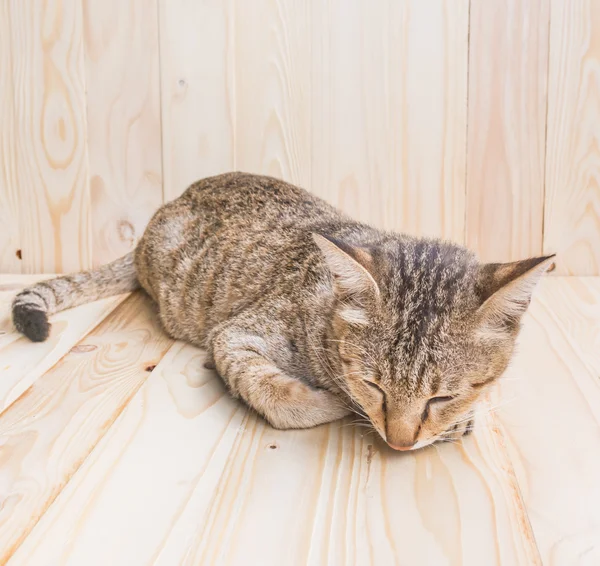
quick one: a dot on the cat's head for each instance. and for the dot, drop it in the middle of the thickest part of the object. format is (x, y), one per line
(422, 329)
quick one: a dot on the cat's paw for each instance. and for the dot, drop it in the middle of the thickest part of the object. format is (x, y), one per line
(305, 407)
(463, 428)
(469, 427)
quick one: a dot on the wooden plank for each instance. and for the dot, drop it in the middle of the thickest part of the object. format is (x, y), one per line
(198, 95)
(329, 496)
(272, 82)
(51, 172)
(574, 301)
(50, 430)
(508, 58)
(572, 212)
(24, 362)
(9, 201)
(388, 105)
(176, 433)
(552, 425)
(269, 497)
(285, 101)
(123, 113)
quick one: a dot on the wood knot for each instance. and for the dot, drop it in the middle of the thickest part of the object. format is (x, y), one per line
(273, 446)
(82, 348)
(19, 254)
(126, 232)
(150, 367)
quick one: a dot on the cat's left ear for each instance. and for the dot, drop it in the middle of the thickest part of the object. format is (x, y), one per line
(349, 265)
(505, 291)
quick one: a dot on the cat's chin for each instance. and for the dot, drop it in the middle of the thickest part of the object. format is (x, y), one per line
(416, 446)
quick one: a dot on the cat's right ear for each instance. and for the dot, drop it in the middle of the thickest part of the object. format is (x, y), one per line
(349, 266)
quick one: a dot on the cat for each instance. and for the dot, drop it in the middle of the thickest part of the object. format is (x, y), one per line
(308, 315)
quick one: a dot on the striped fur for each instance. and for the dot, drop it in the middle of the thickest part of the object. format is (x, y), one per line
(32, 306)
(308, 314)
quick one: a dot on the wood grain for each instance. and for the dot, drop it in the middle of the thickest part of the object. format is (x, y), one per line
(176, 433)
(508, 60)
(198, 93)
(273, 96)
(367, 103)
(388, 105)
(552, 426)
(9, 201)
(330, 496)
(574, 300)
(50, 161)
(123, 122)
(296, 96)
(186, 476)
(247, 494)
(50, 430)
(22, 362)
(572, 214)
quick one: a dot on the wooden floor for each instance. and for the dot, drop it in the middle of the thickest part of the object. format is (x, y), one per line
(118, 448)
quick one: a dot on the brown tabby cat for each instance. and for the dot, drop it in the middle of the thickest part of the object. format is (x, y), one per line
(309, 315)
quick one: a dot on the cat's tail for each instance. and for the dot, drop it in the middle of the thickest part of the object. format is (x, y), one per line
(33, 305)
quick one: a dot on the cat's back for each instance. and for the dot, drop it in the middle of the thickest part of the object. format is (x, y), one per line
(229, 214)
(254, 200)
(225, 242)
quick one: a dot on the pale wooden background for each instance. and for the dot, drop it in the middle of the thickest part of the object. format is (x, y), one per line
(474, 120)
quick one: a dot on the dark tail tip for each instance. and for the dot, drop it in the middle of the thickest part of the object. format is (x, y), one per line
(31, 321)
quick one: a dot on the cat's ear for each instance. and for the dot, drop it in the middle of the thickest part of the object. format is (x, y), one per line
(505, 291)
(349, 266)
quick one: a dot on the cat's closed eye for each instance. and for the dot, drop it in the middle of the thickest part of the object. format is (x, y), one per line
(374, 386)
(434, 401)
(443, 399)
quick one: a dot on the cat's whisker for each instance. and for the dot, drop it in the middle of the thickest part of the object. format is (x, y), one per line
(359, 425)
(369, 432)
(481, 413)
(479, 417)
(339, 382)
(493, 408)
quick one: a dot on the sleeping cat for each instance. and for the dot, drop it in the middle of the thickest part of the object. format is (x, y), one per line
(308, 315)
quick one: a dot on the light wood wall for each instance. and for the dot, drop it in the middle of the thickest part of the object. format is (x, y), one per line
(473, 120)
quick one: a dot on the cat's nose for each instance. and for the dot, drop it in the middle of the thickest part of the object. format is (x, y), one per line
(401, 447)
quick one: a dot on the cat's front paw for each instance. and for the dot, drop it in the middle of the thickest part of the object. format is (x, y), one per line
(469, 427)
(460, 429)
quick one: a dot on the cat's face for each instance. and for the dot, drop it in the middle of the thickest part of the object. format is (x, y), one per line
(422, 330)
(414, 399)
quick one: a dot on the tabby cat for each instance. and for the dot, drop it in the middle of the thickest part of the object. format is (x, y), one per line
(308, 315)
